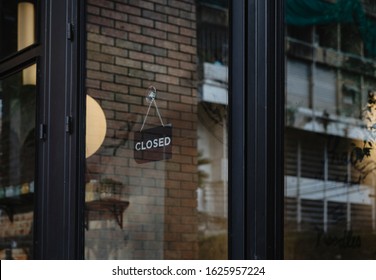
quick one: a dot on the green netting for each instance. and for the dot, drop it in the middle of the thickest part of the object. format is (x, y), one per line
(314, 12)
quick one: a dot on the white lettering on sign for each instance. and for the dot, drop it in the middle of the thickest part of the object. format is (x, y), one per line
(155, 143)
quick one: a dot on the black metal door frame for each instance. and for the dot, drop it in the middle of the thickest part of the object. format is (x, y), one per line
(256, 129)
(58, 201)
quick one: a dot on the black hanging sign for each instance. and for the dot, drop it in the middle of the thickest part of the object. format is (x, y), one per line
(153, 144)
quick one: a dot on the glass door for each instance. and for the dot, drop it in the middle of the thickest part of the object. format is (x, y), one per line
(18, 111)
(156, 130)
(17, 163)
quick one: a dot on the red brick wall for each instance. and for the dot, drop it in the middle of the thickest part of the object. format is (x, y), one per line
(130, 46)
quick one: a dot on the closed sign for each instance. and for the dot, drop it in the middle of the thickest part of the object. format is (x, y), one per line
(153, 144)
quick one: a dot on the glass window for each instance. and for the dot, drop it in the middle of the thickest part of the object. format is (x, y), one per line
(330, 190)
(17, 25)
(156, 136)
(17, 163)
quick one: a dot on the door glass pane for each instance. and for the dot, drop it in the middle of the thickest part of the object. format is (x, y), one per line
(156, 169)
(17, 25)
(330, 136)
(17, 164)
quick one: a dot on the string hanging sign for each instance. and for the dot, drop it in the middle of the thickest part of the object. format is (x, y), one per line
(153, 144)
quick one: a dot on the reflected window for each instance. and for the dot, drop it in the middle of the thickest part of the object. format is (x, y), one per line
(17, 164)
(330, 190)
(17, 26)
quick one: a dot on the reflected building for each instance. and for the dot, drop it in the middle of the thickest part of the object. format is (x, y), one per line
(330, 160)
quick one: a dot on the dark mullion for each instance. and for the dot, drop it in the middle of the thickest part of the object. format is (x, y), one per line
(21, 59)
(264, 130)
(237, 145)
(81, 128)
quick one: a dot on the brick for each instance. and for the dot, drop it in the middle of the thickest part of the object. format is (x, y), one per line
(129, 81)
(155, 16)
(114, 14)
(164, 9)
(99, 75)
(142, 4)
(101, 39)
(170, 28)
(152, 32)
(181, 211)
(141, 39)
(161, 87)
(141, 56)
(100, 57)
(178, 193)
(189, 100)
(188, 66)
(161, 2)
(179, 38)
(188, 15)
(126, 26)
(128, 99)
(180, 246)
(100, 94)
(127, 9)
(182, 124)
(189, 32)
(113, 87)
(92, 28)
(126, 62)
(167, 79)
(114, 51)
(111, 68)
(115, 33)
(102, 3)
(92, 65)
(95, 19)
(180, 107)
(179, 56)
(155, 68)
(179, 90)
(181, 5)
(189, 168)
(179, 72)
(141, 74)
(167, 45)
(154, 50)
(179, 21)
(126, 171)
(141, 21)
(114, 106)
(91, 46)
(167, 61)
(90, 83)
(92, 10)
(188, 49)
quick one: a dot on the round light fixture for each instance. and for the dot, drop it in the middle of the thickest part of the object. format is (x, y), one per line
(95, 126)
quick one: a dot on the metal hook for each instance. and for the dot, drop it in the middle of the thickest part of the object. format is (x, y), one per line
(151, 94)
(150, 98)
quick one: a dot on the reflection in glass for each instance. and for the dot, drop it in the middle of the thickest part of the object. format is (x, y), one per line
(174, 208)
(330, 159)
(17, 166)
(17, 26)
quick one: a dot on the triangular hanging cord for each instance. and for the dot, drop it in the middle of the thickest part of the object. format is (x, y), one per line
(152, 93)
